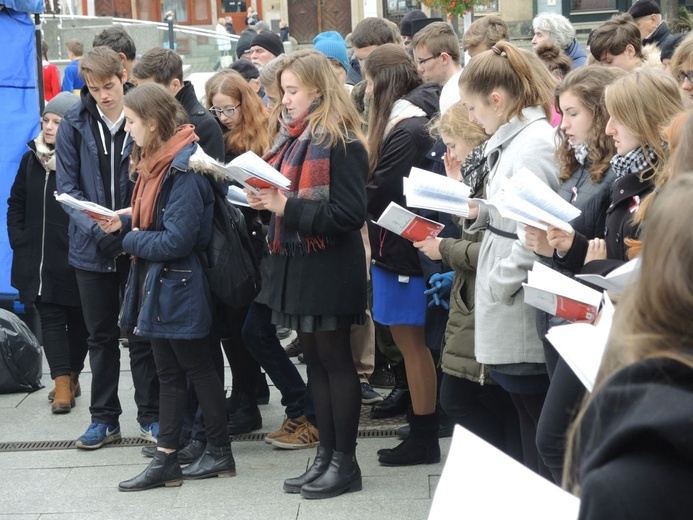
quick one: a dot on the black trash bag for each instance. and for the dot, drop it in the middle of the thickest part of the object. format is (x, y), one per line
(20, 356)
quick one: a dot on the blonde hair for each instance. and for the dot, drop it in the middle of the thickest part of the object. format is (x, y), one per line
(653, 316)
(334, 120)
(456, 124)
(252, 130)
(683, 55)
(508, 68)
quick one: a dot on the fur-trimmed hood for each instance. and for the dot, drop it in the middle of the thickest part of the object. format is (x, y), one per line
(651, 58)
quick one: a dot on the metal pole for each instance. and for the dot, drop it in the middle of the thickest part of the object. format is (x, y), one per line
(39, 63)
(171, 34)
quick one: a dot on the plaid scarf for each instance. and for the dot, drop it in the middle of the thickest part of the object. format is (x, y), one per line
(634, 161)
(307, 165)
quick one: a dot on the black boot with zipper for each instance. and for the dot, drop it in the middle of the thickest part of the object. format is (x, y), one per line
(163, 471)
(343, 475)
(215, 461)
(319, 466)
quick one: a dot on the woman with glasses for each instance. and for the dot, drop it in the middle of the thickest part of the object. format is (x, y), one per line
(681, 68)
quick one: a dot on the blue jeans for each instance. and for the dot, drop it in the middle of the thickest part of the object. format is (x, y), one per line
(260, 338)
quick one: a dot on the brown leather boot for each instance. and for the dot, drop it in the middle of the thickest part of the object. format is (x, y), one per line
(76, 388)
(64, 398)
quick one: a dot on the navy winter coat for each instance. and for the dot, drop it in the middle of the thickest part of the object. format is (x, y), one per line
(167, 295)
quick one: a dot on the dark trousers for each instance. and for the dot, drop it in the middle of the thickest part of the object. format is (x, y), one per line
(561, 404)
(176, 359)
(64, 337)
(260, 338)
(486, 411)
(245, 370)
(100, 296)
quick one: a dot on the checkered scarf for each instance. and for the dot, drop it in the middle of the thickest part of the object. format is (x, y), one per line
(307, 165)
(634, 161)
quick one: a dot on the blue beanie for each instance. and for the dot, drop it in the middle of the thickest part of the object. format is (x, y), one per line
(332, 45)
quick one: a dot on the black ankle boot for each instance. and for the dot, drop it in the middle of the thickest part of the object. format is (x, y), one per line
(215, 461)
(247, 416)
(398, 400)
(342, 475)
(262, 391)
(191, 452)
(320, 464)
(163, 470)
(421, 447)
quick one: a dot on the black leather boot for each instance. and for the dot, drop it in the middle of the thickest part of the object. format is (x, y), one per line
(320, 464)
(421, 447)
(262, 391)
(215, 461)
(398, 400)
(342, 475)
(191, 452)
(163, 471)
(247, 416)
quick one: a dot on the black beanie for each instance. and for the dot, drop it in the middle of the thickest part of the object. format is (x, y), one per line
(243, 44)
(270, 42)
(405, 24)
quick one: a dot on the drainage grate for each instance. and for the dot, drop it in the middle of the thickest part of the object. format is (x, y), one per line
(136, 441)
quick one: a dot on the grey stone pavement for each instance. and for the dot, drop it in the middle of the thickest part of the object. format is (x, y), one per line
(61, 484)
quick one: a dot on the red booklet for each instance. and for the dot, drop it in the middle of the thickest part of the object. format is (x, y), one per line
(411, 226)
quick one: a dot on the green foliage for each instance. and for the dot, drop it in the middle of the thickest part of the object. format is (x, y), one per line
(451, 7)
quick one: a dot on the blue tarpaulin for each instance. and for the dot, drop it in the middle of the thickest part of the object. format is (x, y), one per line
(19, 122)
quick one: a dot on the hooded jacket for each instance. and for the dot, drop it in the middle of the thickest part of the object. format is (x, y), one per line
(167, 294)
(576, 53)
(406, 145)
(37, 229)
(89, 158)
(635, 454)
(206, 126)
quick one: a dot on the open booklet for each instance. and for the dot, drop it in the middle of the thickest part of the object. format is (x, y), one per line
(411, 226)
(616, 280)
(557, 294)
(526, 199)
(84, 205)
(249, 170)
(428, 190)
(480, 481)
(582, 345)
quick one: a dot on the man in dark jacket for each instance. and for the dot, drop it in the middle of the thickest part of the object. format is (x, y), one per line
(165, 67)
(648, 17)
(92, 151)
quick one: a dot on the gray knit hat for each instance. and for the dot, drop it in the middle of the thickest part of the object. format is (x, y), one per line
(60, 104)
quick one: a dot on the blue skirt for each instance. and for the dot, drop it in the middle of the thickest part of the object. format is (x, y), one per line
(397, 302)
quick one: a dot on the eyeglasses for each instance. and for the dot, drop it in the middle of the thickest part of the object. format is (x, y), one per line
(228, 111)
(424, 60)
(683, 76)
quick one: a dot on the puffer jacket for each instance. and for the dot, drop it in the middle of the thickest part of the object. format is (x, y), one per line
(167, 294)
(503, 260)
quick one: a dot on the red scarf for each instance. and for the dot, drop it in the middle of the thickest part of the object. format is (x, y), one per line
(150, 174)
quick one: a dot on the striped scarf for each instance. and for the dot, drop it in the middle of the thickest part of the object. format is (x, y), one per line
(307, 165)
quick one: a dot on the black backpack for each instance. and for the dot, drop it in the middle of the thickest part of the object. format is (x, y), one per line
(232, 269)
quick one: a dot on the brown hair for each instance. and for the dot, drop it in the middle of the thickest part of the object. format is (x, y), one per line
(374, 31)
(100, 63)
(614, 35)
(334, 120)
(44, 49)
(75, 46)
(486, 31)
(394, 75)
(507, 67)
(653, 316)
(438, 38)
(252, 130)
(154, 104)
(555, 59)
(161, 65)
(588, 84)
(455, 123)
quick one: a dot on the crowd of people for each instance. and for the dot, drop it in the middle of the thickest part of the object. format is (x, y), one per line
(609, 128)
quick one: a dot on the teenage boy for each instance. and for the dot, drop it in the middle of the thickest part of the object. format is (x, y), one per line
(165, 67)
(117, 38)
(72, 82)
(616, 43)
(92, 152)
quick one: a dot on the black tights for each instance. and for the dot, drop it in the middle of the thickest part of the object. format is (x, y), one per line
(335, 386)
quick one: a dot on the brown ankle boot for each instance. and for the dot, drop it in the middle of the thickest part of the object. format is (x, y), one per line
(64, 398)
(76, 388)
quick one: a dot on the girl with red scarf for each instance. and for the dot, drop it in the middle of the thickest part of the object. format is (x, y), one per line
(167, 298)
(315, 277)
